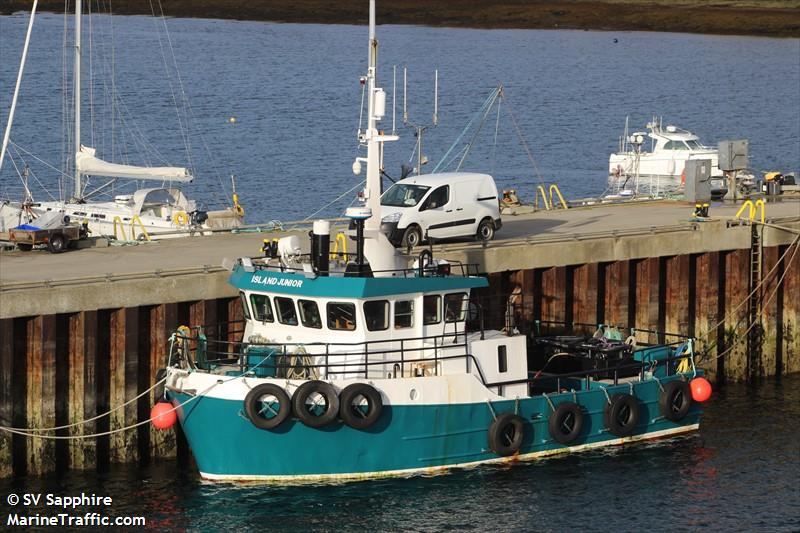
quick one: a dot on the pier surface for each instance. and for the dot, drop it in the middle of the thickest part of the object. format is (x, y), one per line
(34, 283)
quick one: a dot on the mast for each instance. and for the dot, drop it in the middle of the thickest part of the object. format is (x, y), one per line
(372, 190)
(77, 95)
(378, 250)
(7, 134)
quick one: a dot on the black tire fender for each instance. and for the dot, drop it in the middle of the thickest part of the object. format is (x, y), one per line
(675, 400)
(352, 398)
(301, 407)
(566, 422)
(253, 405)
(621, 415)
(506, 433)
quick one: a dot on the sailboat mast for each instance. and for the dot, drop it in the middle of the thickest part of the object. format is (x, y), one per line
(77, 95)
(7, 134)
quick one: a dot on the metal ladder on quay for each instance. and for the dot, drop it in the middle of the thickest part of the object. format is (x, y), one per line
(754, 330)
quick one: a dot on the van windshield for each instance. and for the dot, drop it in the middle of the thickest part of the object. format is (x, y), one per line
(403, 195)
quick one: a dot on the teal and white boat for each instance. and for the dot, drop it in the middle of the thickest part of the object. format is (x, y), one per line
(385, 366)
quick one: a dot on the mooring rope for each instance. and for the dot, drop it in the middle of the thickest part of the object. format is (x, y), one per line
(109, 432)
(755, 289)
(117, 408)
(739, 338)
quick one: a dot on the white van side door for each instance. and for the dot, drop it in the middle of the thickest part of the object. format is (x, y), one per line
(437, 213)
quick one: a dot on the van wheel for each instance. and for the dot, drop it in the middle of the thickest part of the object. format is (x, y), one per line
(485, 230)
(412, 237)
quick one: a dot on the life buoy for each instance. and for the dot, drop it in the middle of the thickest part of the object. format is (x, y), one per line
(621, 415)
(505, 434)
(267, 406)
(675, 400)
(566, 422)
(360, 405)
(316, 403)
(180, 218)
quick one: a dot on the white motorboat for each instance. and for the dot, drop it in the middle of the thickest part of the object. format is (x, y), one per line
(151, 212)
(659, 164)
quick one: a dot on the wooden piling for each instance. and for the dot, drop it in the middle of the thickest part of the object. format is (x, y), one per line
(41, 361)
(771, 318)
(737, 281)
(615, 301)
(791, 310)
(676, 305)
(707, 329)
(647, 293)
(123, 375)
(553, 294)
(82, 388)
(163, 322)
(6, 394)
(584, 293)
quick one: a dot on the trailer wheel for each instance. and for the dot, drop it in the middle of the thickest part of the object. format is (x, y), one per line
(57, 243)
(23, 247)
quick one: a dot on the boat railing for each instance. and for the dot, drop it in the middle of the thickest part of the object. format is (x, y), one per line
(641, 370)
(407, 357)
(415, 355)
(450, 268)
(520, 312)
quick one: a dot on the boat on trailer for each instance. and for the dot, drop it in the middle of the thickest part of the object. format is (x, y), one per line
(389, 364)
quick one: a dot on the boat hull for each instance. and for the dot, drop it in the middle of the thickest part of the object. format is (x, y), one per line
(407, 439)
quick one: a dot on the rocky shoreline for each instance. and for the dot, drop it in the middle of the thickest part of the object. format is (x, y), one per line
(772, 19)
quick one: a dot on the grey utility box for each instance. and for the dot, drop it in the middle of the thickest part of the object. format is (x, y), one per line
(698, 180)
(732, 155)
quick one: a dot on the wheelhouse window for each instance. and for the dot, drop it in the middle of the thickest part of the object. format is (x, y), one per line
(694, 145)
(403, 195)
(376, 315)
(676, 145)
(284, 307)
(455, 307)
(341, 316)
(438, 198)
(245, 307)
(262, 309)
(431, 309)
(404, 314)
(309, 314)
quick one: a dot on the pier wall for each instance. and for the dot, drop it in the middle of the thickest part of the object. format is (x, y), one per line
(79, 359)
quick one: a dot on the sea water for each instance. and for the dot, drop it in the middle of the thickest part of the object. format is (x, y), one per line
(738, 473)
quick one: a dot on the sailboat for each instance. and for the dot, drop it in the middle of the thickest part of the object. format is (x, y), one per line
(160, 211)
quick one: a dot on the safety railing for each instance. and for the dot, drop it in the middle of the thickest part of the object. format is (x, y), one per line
(753, 210)
(549, 197)
(205, 354)
(119, 229)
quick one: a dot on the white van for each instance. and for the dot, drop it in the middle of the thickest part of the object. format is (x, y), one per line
(442, 206)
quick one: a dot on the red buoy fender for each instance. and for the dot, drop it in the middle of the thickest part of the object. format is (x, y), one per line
(701, 389)
(163, 416)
